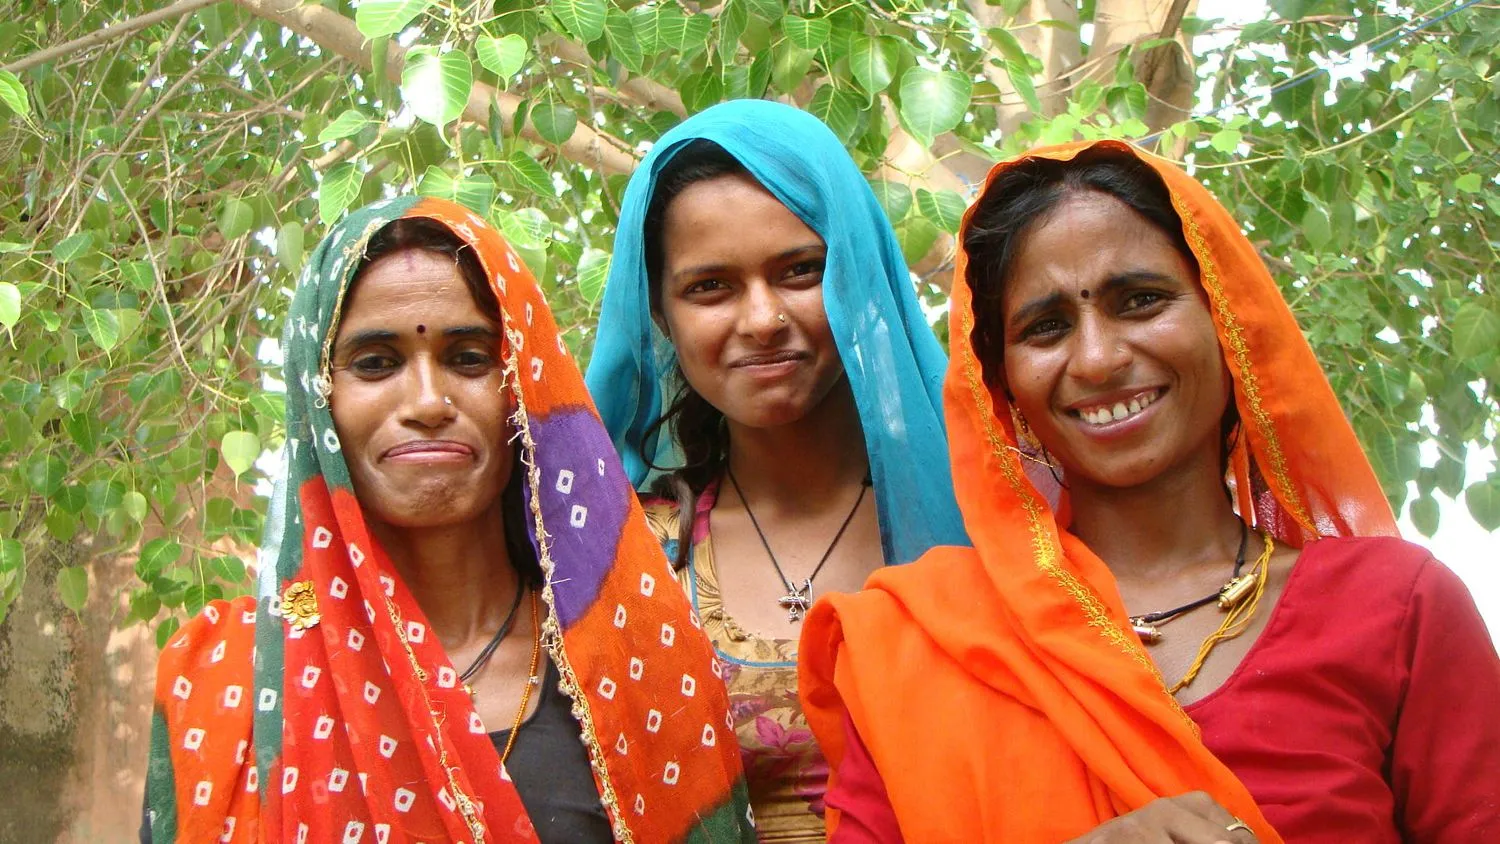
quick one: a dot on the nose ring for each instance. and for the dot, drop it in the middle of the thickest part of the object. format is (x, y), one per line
(447, 401)
(781, 318)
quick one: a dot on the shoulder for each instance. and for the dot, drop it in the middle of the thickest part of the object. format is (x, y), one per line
(1382, 565)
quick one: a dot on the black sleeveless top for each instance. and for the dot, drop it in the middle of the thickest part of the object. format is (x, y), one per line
(550, 767)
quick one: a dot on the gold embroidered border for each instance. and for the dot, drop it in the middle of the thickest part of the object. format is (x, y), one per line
(1248, 380)
(1045, 551)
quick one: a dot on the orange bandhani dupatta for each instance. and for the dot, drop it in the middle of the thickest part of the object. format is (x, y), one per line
(1000, 690)
(327, 711)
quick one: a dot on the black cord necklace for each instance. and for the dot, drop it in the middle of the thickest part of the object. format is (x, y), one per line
(798, 598)
(1145, 626)
(489, 648)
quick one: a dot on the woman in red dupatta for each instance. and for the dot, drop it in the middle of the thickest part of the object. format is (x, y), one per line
(449, 485)
(1110, 320)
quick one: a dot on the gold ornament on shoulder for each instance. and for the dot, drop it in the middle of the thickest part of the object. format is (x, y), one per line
(299, 605)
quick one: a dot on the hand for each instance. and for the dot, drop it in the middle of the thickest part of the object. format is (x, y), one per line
(1192, 818)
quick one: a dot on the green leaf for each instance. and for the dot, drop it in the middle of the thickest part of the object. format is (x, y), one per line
(13, 94)
(873, 62)
(553, 121)
(1483, 501)
(474, 192)
(917, 236)
(10, 304)
(339, 188)
(240, 449)
(1020, 78)
(155, 557)
(733, 18)
(1424, 514)
(135, 506)
(701, 90)
(1226, 140)
(624, 47)
(236, 219)
(289, 247)
(809, 34)
(894, 197)
(767, 10)
(1476, 331)
(73, 586)
(436, 87)
(593, 270)
(103, 327)
(789, 66)
(504, 56)
(387, 17)
(839, 109)
(72, 247)
(1316, 227)
(165, 631)
(683, 33)
(531, 174)
(346, 124)
(144, 604)
(583, 19)
(12, 555)
(933, 101)
(944, 208)
(1468, 183)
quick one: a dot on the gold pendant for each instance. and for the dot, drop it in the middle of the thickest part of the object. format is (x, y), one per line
(797, 600)
(1236, 591)
(1149, 633)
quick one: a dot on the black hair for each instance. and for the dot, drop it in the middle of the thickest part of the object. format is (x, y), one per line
(1024, 197)
(700, 429)
(431, 236)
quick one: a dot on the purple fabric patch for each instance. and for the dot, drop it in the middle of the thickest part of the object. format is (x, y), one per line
(585, 499)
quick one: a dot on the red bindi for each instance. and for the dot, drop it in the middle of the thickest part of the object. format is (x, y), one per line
(1084, 294)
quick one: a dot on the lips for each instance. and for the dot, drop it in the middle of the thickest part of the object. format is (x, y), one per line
(770, 358)
(1122, 408)
(429, 449)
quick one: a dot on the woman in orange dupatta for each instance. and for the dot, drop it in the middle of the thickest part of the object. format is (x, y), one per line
(465, 631)
(1004, 693)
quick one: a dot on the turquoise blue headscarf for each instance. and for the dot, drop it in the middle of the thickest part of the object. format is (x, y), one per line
(894, 363)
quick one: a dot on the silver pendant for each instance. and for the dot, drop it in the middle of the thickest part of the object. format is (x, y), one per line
(797, 600)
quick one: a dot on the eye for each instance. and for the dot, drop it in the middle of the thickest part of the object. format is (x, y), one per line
(1046, 328)
(1141, 299)
(373, 365)
(473, 359)
(704, 285)
(805, 269)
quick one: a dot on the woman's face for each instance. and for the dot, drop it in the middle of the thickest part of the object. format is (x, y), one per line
(742, 301)
(419, 399)
(1110, 350)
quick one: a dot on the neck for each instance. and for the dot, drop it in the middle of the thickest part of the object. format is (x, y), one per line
(1157, 530)
(803, 466)
(460, 575)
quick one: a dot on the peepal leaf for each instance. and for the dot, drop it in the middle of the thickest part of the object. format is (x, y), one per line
(240, 448)
(13, 94)
(10, 304)
(338, 190)
(436, 87)
(933, 101)
(375, 18)
(504, 56)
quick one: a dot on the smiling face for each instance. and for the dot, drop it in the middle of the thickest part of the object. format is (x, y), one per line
(742, 301)
(1110, 351)
(419, 399)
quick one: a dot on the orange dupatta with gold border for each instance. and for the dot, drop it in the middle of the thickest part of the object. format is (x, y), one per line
(1000, 690)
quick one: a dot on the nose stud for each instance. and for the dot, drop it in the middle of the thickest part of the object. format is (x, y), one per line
(781, 318)
(447, 401)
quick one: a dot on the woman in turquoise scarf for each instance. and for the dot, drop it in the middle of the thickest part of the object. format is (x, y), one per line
(761, 337)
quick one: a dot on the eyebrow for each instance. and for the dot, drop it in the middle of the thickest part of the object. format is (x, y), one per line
(1041, 305)
(481, 331)
(382, 335)
(794, 252)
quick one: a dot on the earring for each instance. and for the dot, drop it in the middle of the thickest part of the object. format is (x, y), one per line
(781, 318)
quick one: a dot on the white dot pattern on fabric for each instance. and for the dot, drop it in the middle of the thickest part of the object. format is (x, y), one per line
(369, 611)
(607, 688)
(510, 261)
(301, 833)
(202, 792)
(636, 668)
(338, 588)
(211, 613)
(622, 747)
(288, 780)
(476, 724)
(415, 632)
(322, 537)
(372, 693)
(232, 696)
(689, 686)
(323, 728)
(670, 773)
(228, 834)
(388, 585)
(356, 556)
(182, 687)
(620, 616)
(387, 746)
(239, 752)
(356, 640)
(446, 799)
(565, 482)
(648, 584)
(446, 677)
(653, 721)
(668, 635)
(337, 779)
(579, 516)
(218, 652)
(599, 466)
(640, 805)
(528, 313)
(252, 779)
(710, 738)
(536, 369)
(353, 832)
(193, 738)
(382, 833)
(310, 676)
(330, 441)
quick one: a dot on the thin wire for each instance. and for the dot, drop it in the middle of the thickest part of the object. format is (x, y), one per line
(863, 488)
(1309, 75)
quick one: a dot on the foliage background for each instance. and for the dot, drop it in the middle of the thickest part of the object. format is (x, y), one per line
(166, 166)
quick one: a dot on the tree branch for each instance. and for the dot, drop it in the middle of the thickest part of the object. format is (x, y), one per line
(642, 91)
(338, 34)
(107, 34)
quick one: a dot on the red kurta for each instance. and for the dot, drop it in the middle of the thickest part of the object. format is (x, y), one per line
(1368, 710)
